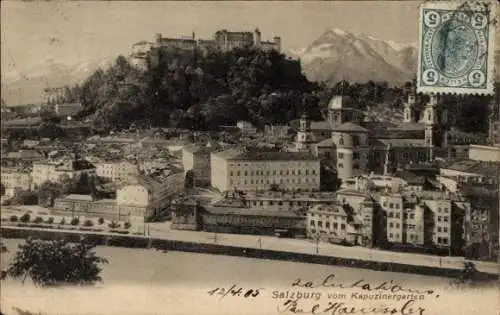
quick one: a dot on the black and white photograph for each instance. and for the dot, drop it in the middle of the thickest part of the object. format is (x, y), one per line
(250, 157)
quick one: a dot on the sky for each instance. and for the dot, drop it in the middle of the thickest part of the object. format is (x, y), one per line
(37, 34)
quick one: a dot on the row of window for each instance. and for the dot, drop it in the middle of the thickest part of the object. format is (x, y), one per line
(281, 181)
(268, 173)
(391, 235)
(445, 229)
(442, 240)
(327, 225)
(410, 215)
(445, 210)
(391, 205)
(443, 218)
(394, 215)
(391, 225)
(413, 237)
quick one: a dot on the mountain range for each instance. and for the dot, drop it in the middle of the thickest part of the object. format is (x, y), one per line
(27, 87)
(339, 55)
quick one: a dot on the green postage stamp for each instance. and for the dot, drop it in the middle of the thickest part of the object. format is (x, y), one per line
(456, 48)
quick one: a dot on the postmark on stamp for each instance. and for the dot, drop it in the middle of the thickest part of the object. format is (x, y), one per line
(456, 48)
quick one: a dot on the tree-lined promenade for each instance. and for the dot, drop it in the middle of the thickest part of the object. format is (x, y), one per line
(287, 249)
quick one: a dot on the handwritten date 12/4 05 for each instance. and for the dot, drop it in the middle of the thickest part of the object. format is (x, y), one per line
(235, 291)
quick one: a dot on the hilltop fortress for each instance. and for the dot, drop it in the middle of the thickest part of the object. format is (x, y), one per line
(223, 40)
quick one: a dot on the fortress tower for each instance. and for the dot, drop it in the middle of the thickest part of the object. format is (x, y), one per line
(256, 37)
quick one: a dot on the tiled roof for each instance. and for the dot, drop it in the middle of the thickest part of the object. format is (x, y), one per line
(400, 142)
(354, 192)
(195, 148)
(475, 167)
(410, 178)
(349, 127)
(410, 126)
(76, 165)
(334, 209)
(79, 197)
(326, 143)
(251, 212)
(320, 125)
(241, 155)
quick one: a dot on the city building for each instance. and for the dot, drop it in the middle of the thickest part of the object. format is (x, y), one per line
(253, 170)
(137, 199)
(392, 205)
(14, 180)
(298, 202)
(327, 223)
(7, 113)
(355, 146)
(224, 219)
(196, 158)
(186, 215)
(485, 153)
(116, 171)
(246, 128)
(67, 110)
(414, 225)
(482, 234)
(471, 171)
(276, 132)
(55, 172)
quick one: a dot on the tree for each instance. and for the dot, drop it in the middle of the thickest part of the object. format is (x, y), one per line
(189, 179)
(26, 198)
(328, 179)
(49, 263)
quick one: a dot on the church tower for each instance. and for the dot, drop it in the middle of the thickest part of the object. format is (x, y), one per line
(305, 137)
(409, 107)
(430, 120)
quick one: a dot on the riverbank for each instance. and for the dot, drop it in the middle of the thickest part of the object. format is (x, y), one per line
(136, 241)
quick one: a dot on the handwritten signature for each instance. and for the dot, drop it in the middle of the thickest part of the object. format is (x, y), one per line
(235, 290)
(329, 282)
(334, 308)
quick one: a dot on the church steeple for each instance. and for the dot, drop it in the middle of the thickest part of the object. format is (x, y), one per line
(409, 106)
(430, 119)
(305, 137)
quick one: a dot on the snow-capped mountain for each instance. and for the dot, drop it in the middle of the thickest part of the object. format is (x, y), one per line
(27, 86)
(338, 55)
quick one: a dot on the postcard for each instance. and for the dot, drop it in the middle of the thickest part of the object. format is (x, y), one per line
(250, 157)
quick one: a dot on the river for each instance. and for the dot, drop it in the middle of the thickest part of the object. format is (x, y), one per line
(142, 281)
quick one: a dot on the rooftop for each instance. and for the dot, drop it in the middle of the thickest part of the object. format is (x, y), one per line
(326, 143)
(332, 209)
(242, 155)
(475, 167)
(195, 148)
(251, 212)
(76, 165)
(400, 142)
(410, 178)
(320, 125)
(79, 197)
(349, 127)
(410, 126)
